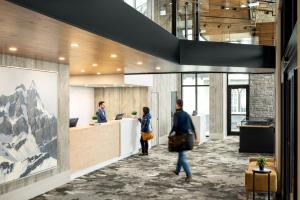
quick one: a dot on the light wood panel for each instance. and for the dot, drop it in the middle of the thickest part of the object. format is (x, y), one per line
(266, 33)
(92, 145)
(122, 100)
(63, 117)
(40, 37)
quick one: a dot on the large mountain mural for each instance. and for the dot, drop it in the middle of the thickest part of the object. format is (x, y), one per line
(28, 134)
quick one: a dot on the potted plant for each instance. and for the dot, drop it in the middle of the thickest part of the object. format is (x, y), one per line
(95, 119)
(261, 162)
(133, 114)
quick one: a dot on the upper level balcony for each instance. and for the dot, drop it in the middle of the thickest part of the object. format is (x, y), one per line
(233, 21)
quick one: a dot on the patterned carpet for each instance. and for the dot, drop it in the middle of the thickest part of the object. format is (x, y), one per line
(217, 168)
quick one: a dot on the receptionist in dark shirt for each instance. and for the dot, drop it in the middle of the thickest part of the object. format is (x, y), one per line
(101, 115)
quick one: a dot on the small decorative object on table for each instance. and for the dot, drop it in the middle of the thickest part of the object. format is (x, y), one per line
(261, 162)
(134, 114)
(95, 119)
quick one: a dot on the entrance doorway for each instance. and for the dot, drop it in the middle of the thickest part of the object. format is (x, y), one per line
(237, 107)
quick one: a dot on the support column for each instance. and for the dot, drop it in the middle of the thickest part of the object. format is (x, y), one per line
(217, 107)
(174, 17)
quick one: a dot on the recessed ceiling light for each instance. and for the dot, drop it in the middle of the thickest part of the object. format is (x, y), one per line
(95, 65)
(119, 69)
(82, 70)
(98, 73)
(227, 8)
(13, 49)
(243, 6)
(139, 63)
(157, 68)
(61, 58)
(113, 55)
(74, 45)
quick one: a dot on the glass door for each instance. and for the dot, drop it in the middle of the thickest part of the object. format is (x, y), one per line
(238, 107)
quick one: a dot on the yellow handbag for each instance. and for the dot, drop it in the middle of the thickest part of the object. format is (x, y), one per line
(147, 135)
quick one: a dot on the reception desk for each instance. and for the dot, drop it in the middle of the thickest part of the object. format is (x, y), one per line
(92, 147)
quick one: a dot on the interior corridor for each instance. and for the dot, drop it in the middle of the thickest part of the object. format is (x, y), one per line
(217, 167)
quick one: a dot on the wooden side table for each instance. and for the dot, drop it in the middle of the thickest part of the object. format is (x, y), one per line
(258, 171)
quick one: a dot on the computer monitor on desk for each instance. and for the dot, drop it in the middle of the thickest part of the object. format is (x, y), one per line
(119, 116)
(73, 122)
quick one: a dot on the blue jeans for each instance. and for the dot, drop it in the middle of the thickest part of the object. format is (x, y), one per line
(182, 162)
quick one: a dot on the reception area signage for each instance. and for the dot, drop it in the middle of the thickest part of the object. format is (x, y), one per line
(28, 122)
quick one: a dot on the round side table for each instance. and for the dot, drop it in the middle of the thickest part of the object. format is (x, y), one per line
(258, 171)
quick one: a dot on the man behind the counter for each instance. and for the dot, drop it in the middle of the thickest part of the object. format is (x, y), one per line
(101, 116)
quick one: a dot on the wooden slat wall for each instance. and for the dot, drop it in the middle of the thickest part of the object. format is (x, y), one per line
(122, 100)
(266, 33)
(126, 100)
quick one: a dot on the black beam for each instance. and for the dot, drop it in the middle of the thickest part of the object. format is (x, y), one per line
(185, 20)
(196, 21)
(226, 54)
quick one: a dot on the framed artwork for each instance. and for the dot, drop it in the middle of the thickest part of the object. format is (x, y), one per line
(28, 122)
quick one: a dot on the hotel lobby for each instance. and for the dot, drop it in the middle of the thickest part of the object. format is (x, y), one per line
(77, 76)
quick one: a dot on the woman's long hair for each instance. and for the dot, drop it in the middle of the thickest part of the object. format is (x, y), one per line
(146, 110)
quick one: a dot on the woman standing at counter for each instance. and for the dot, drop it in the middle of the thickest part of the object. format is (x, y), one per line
(145, 128)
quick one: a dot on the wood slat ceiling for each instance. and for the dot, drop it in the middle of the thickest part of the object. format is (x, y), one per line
(41, 37)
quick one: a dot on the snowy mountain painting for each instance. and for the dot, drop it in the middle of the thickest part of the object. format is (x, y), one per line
(28, 129)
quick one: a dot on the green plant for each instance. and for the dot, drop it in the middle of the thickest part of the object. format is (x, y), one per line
(261, 162)
(94, 117)
(133, 113)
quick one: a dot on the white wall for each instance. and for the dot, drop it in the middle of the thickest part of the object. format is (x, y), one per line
(82, 104)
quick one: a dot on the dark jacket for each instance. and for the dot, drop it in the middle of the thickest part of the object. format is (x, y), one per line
(145, 121)
(101, 116)
(182, 123)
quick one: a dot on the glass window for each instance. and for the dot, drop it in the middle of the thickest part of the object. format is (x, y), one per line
(130, 2)
(188, 79)
(141, 3)
(202, 79)
(189, 99)
(238, 79)
(203, 107)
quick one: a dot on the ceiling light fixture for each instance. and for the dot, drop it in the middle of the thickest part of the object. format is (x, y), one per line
(157, 68)
(13, 48)
(254, 4)
(119, 69)
(139, 63)
(98, 73)
(82, 70)
(243, 6)
(113, 55)
(74, 45)
(95, 65)
(227, 8)
(61, 58)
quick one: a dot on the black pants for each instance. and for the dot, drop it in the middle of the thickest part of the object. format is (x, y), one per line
(144, 144)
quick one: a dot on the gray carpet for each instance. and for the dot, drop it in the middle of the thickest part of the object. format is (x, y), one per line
(217, 168)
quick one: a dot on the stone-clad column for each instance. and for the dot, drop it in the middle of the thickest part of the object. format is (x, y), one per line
(217, 107)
